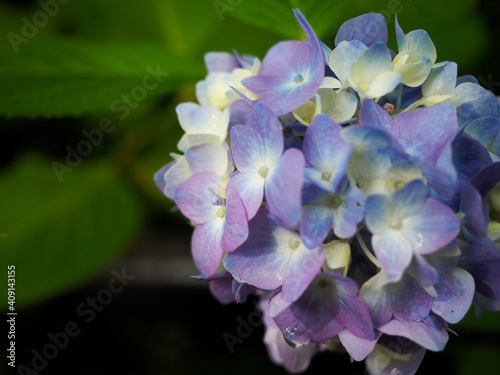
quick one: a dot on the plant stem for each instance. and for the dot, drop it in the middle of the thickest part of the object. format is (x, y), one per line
(367, 251)
(400, 94)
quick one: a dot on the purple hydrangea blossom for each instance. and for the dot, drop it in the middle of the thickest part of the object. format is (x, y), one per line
(323, 211)
(274, 257)
(294, 359)
(329, 305)
(405, 223)
(221, 222)
(291, 72)
(358, 203)
(264, 169)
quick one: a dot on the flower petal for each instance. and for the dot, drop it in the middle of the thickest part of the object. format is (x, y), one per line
(250, 188)
(284, 186)
(236, 223)
(454, 309)
(417, 332)
(431, 228)
(393, 251)
(368, 28)
(206, 246)
(383, 84)
(196, 197)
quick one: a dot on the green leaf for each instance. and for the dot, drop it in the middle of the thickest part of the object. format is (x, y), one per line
(57, 234)
(58, 77)
(464, 41)
(275, 16)
(124, 20)
(488, 323)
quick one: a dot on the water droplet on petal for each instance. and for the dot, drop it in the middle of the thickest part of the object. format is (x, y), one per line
(292, 344)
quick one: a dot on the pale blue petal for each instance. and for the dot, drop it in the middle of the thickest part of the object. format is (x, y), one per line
(347, 217)
(409, 199)
(342, 57)
(441, 80)
(418, 41)
(372, 62)
(159, 177)
(179, 172)
(267, 125)
(393, 251)
(379, 211)
(383, 84)
(431, 228)
(326, 151)
(210, 157)
(482, 101)
(400, 35)
(248, 149)
(484, 129)
(316, 219)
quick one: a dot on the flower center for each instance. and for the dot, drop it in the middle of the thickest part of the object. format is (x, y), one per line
(298, 78)
(293, 243)
(263, 171)
(360, 182)
(288, 132)
(399, 184)
(336, 201)
(395, 223)
(364, 87)
(325, 176)
(323, 284)
(389, 108)
(221, 212)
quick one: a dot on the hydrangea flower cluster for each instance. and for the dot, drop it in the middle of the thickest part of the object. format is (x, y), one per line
(353, 190)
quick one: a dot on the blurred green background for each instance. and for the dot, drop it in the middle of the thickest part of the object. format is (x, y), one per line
(73, 208)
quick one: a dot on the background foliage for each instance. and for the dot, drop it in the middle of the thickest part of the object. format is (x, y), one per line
(72, 74)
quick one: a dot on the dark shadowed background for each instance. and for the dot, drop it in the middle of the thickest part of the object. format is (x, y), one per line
(88, 90)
